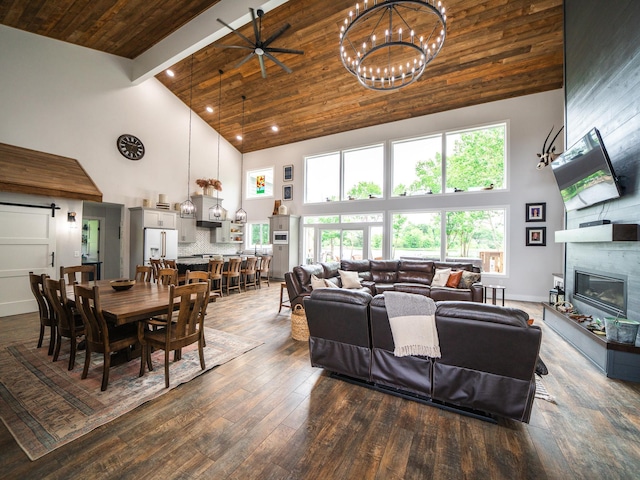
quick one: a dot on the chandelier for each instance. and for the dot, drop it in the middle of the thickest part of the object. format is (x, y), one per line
(387, 44)
(187, 208)
(215, 211)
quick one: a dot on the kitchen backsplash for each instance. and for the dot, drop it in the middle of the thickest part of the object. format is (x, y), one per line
(204, 245)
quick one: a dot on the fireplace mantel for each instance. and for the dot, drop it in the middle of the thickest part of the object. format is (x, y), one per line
(611, 232)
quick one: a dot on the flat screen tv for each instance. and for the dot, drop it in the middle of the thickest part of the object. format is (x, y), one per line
(584, 173)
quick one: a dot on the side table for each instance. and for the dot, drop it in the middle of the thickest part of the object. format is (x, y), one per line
(494, 288)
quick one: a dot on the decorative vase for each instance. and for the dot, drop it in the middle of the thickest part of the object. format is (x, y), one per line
(208, 191)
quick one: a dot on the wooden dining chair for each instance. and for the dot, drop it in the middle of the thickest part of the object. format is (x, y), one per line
(70, 274)
(183, 327)
(167, 276)
(169, 263)
(196, 276)
(100, 336)
(233, 273)
(144, 273)
(214, 269)
(68, 325)
(248, 274)
(156, 265)
(263, 270)
(46, 316)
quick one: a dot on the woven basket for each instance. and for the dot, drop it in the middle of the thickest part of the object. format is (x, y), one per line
(299, 327)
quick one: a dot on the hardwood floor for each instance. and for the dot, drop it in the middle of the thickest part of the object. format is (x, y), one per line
(268, 414)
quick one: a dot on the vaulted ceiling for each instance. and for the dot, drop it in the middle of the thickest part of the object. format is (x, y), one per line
(495, 49)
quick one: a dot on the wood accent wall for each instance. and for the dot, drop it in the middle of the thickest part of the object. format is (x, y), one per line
(602, 81)
(39, 173)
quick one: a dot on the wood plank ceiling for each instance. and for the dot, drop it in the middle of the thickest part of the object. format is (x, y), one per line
(495, 49)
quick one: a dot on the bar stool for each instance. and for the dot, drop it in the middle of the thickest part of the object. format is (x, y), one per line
(283, 303)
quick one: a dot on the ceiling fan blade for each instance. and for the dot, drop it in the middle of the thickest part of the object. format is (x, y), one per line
(220, 45)
(256, 32)
(284, 50)
(278, 62)
(243, 61)
(236, 32)
(280, 31)
(264, 71)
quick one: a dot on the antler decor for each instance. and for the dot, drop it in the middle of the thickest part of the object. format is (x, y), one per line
(548, 155)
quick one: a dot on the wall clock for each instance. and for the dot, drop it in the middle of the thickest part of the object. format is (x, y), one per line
(130, 147)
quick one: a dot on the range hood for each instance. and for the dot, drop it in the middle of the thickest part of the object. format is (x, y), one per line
(203, 203)
(207, 224)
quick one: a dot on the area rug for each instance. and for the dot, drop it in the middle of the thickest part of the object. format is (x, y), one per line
(45, 406)
(541, 391)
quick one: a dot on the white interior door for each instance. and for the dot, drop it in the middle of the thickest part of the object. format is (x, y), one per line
(27, 244)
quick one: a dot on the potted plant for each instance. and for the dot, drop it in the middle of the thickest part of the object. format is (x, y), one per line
(208, 185)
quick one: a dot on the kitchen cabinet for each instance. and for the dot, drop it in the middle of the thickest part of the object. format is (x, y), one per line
(186, 230)
(156, 218)
(285, 244)
(228, 232)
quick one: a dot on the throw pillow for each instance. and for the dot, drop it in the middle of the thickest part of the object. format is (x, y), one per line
(317, 283)
(349, 279)
(441, 276)
(468, 279)
(454, 279)
(330, 284)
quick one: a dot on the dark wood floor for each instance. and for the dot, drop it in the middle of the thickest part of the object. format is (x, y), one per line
(268, 414)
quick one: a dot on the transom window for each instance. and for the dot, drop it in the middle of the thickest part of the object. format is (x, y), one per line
(260, 183)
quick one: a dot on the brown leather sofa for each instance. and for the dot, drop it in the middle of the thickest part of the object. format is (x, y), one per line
(488, 360)
(377, 276)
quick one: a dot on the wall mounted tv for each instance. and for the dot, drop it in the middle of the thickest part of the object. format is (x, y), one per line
(584, 173)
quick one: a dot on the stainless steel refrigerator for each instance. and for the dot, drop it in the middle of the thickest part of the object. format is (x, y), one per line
(160, 243)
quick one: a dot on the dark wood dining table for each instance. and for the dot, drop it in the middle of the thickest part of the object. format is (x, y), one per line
(143, 300)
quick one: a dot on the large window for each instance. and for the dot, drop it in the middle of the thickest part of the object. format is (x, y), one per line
(416, 235)
(363, 173)
(322, 178)
(417, 166)
(258, 235)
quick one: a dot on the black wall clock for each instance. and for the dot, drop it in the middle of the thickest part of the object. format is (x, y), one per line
(130, 147)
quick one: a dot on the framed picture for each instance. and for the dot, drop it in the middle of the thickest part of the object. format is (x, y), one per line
(536, 236)
(287, 192)
(288, 173)
(536, 212)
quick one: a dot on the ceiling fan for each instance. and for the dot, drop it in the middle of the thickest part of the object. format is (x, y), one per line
(261, 48)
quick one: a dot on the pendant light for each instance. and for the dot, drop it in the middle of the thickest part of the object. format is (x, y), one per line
(187, 208)
(215, 212)
(241, 214)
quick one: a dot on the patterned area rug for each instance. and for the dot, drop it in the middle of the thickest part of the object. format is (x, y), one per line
(45, 406)
(541, 391)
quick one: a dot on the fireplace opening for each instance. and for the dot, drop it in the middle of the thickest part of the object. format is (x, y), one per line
(605, 291)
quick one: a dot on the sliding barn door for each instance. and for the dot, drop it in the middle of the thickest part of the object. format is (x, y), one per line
(27, 244)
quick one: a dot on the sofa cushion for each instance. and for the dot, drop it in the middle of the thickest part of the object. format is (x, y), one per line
(330, 269)
(457, 266)
(483, 312)
(304, 272)
(441, 277)
(349, 279)
(384, 271)
(454, 279)
(468, 279)
(416, 271)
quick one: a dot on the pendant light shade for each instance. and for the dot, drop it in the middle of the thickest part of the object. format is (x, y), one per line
(215, 212)
(241, 214)
(187, 208)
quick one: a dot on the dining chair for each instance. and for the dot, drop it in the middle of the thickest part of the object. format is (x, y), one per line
(183, 327)
(196, 276)
(156, 265)
(70, 274)
(46, 316)
(144, 273)
(169, 263)
(167, 276)
(214, 269)
(100, 336)
(263, 271)
(232, 272)
(68, 325)
(248, 274)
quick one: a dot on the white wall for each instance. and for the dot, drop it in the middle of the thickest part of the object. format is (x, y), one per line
(529, 120)
(75, 102)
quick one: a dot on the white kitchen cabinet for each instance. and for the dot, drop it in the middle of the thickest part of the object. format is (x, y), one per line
(155, 218)
(186, 230)
(285, 255)
(229, 232)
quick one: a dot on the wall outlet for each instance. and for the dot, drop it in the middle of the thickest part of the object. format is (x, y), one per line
(76, 253)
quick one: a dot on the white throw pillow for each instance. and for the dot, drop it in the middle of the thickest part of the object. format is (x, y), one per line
(349, 279)
(317, 283)
(329, 284)
(441, 277)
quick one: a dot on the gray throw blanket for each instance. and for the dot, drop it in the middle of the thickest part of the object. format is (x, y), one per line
(413, 324)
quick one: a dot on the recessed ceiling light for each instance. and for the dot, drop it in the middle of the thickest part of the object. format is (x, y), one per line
(210, 109)
(275, 128)
(239, 137)
(170, 73)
